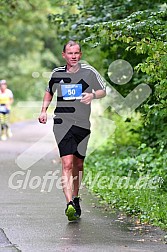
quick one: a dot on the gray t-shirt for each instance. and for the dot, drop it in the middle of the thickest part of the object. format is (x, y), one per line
(73, 110)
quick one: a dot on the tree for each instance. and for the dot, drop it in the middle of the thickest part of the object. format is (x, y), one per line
(27, 46)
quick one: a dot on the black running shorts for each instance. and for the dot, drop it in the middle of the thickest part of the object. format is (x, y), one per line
(73, 142)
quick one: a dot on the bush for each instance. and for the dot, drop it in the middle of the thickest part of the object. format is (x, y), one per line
(131, 178)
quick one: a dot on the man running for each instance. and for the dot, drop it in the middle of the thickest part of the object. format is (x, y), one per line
(76, 85)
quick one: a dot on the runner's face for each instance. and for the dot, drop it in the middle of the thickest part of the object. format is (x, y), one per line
(3, 87)
(72, 55)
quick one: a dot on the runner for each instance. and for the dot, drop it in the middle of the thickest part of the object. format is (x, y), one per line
(6, 99)
(76, 85)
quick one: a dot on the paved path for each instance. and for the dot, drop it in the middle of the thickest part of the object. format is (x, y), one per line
(32, 213)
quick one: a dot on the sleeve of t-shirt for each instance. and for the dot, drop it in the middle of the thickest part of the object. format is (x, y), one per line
(51, 88)
(10, 94)
(97, 81)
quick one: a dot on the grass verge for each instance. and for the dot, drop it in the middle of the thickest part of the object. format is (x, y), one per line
(126, 184)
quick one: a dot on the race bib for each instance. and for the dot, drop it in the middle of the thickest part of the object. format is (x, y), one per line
(71, 91)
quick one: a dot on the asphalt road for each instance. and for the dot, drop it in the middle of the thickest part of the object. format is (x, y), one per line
(32, 204)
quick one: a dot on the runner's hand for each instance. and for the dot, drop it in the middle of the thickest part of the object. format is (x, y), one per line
(87, 98)
(43, 117)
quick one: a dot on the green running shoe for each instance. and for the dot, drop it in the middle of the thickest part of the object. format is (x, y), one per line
(71, 212)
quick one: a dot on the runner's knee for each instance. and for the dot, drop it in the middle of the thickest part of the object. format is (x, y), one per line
(67, 164)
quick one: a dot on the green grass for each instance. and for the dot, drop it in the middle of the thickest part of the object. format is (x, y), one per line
(126, 184)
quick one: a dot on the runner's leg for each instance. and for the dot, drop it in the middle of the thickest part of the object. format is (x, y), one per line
(67, 179)
(77, 173)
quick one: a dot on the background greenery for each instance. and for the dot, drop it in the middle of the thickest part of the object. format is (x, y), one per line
(32, 36)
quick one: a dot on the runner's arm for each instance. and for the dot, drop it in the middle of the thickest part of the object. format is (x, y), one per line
(88, 97)
(99, 94)
(46, 102)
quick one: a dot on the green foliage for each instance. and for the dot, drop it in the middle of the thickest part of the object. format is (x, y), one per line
(131, 132)
(27, 46)
(128, 175)
(133, 182)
